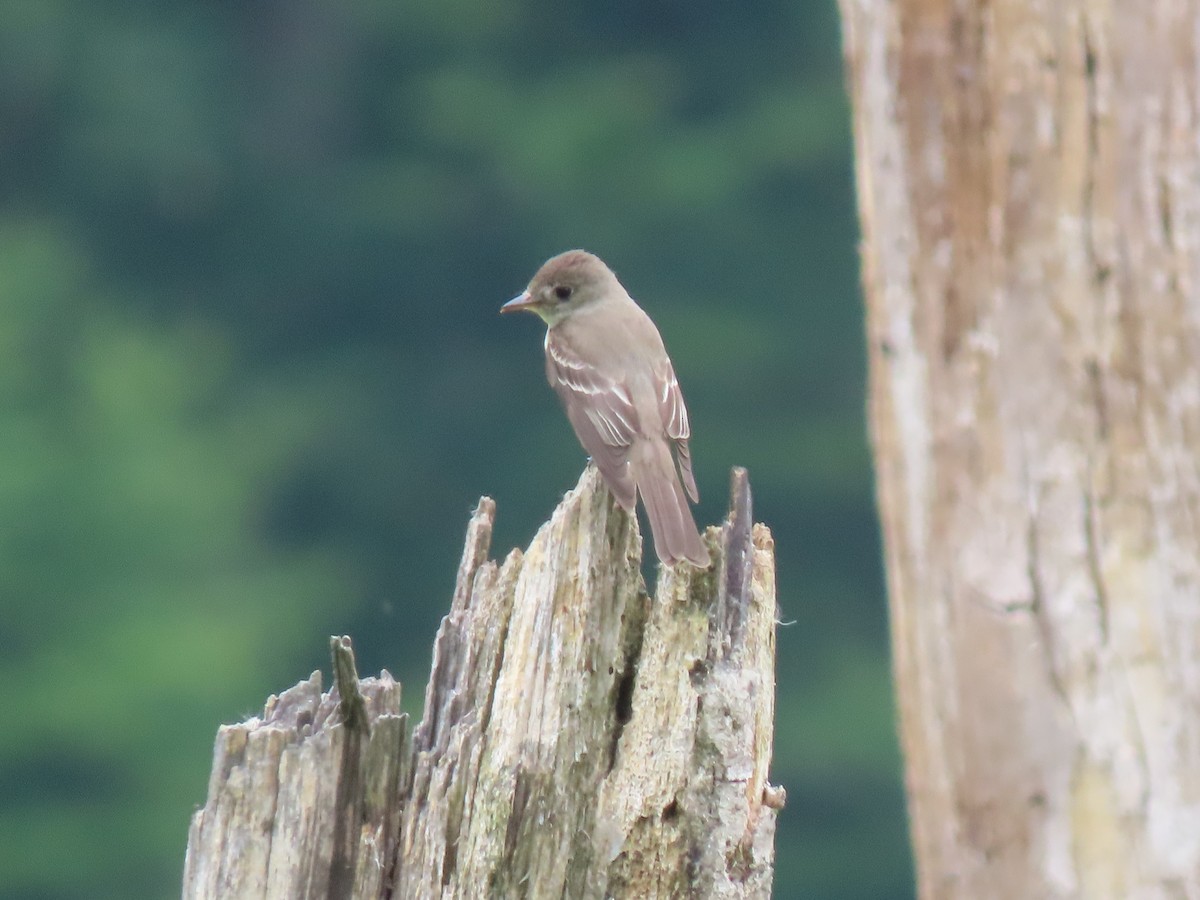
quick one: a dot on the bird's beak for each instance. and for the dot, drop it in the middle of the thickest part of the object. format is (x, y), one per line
(522, 301)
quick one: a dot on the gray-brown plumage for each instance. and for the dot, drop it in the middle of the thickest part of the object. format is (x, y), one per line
(606, 361)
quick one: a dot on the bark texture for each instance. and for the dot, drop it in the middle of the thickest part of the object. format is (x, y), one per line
(1029, 191)
(579, 740)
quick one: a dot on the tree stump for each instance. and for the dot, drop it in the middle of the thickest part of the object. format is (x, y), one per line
(579, 739)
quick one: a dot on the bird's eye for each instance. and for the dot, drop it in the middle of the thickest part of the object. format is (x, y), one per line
(562, 292)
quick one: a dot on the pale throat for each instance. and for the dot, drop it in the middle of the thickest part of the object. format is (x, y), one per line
(552, 315)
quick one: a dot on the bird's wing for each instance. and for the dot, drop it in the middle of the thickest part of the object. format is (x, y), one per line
(675, 421)
(601, 412)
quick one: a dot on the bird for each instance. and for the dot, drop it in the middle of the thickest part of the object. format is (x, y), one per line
(606, 361)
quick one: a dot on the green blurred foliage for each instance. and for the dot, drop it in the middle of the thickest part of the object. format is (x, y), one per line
(252, 378)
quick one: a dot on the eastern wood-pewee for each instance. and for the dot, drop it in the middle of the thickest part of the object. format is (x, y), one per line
(606, 361)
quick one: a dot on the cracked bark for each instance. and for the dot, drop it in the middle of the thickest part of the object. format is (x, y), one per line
(580, 740)
(1029, 192)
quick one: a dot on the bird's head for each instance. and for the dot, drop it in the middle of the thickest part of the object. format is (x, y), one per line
(562, 285)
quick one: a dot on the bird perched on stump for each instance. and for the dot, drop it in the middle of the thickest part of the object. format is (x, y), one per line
(606, 361)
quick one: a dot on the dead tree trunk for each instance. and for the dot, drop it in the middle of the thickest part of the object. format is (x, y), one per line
(1029, 191)
(579, 739)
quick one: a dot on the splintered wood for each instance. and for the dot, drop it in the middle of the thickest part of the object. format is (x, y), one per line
(579, 738)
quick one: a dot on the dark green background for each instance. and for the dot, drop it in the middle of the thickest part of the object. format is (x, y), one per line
(252, 378)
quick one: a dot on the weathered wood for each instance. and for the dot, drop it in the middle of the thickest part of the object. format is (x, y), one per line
(302, 800)
(1029, 191)
(579, 740)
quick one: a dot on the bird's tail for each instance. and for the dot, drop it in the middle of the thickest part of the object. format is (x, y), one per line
(671, 522)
